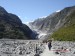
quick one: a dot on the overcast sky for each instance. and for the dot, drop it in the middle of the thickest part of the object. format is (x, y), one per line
(29, 10)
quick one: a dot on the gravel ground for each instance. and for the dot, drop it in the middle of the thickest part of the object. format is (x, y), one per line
(64, 48)
(10, 47)
(20, 47)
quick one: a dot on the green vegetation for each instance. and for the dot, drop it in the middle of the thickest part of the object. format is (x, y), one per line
(11, 34)
(66, 32)
(11, 27)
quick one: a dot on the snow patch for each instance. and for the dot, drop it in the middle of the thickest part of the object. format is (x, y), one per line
(43, 17)
(26, 23)
(58, 10)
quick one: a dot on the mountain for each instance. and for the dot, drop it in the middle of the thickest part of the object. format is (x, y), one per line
(67, 31)
(56, 23)
(11, 27)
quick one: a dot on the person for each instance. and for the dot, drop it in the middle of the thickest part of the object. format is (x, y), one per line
(49, 44)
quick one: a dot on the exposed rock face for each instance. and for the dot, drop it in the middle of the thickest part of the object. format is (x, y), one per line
(12, 27)
(67, 31)
(54, 21)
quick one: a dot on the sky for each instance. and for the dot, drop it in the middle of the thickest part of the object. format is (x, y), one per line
(29, 10)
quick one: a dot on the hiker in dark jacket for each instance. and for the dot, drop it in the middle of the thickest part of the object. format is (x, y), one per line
(49, 44)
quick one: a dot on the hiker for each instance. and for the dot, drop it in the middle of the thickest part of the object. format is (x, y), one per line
(49, 44)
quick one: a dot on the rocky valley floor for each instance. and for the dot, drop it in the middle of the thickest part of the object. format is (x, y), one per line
(10, 47)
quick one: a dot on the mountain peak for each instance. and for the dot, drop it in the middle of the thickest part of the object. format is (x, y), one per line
(2, 10)
(11, 27)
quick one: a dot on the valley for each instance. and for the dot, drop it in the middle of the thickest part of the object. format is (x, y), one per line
(19, 39)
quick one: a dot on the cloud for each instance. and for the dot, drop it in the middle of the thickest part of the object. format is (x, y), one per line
(19, 16)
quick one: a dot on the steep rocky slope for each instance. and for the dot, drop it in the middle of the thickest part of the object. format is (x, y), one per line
(12, 27)
(55, 21)
(67, 31)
